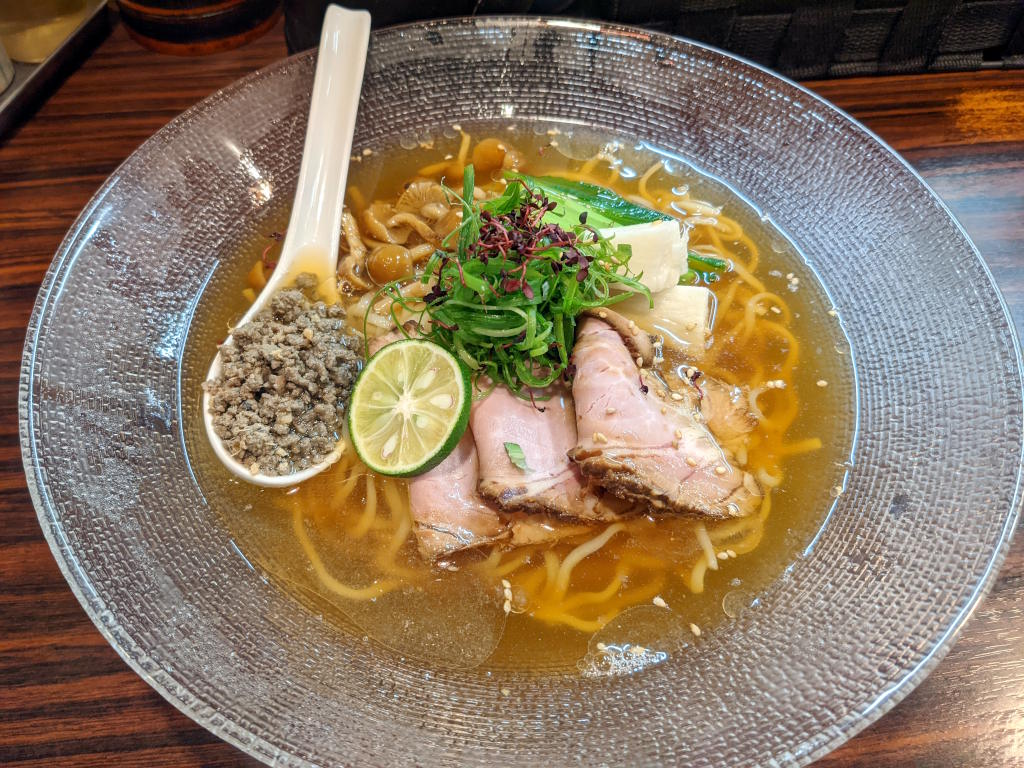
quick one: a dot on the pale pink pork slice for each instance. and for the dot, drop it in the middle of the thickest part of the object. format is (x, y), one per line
(646, 448)
(544, 430)
(448, 512)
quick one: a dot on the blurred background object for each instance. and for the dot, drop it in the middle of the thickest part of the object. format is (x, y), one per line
(197, 27)
(31, 30)
(800, 38)
(46, 39)
(6, 69)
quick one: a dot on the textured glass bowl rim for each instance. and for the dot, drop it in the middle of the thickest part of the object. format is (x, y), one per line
(254, 744)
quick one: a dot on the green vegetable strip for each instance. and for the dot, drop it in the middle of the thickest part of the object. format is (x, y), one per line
(698, 262)
(604, 207)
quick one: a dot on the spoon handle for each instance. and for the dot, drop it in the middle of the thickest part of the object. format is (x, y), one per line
(311, 242)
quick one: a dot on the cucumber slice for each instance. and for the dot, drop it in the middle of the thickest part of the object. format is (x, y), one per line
(604, 208)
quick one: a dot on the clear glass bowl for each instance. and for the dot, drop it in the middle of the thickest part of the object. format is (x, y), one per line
(906, 554)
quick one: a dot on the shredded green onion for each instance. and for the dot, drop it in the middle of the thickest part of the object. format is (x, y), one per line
(508, 285)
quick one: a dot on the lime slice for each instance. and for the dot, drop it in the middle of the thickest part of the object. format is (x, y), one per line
(409, 408)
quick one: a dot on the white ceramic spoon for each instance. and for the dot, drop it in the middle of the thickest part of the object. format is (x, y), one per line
(311, 242)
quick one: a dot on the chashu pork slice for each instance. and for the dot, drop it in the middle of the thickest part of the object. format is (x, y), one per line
(647, 448)
(545, 432)
(448, 512)
(724, 408)
(530, 528)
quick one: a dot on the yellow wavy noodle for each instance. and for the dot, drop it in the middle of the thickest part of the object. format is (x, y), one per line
(584, 582)
(464, 148)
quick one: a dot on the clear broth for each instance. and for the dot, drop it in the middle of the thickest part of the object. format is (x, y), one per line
(454, 618)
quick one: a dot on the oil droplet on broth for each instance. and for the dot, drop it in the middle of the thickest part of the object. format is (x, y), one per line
(636, 639)
(734, 603)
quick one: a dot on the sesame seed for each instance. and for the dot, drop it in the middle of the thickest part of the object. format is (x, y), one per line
(602, 647)
(789, 275)
(449, 156)
(679, 434)
(695, 630)
(632, 326)
(639, 362)
(553, 143)
(675, 443)
(506, 584)
(731, 553)
(720, 470)
(723, 555)
(600, 438)
(776, 310)
(660, 602)
(664, 410)
(676, 396)
(822, 383)
(456, 127)
(837, 491)
(367, 152)
(690, 461)
(507, 606)
(602, 314)
(832, 313)
(610, 411)
(691, 372)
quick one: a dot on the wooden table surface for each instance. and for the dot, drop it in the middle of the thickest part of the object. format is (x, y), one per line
(67, 699)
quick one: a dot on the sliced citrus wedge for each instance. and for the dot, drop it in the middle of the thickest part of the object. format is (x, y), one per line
(409, 408)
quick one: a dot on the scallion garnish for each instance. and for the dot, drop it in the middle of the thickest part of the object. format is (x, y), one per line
(703, 269)
(517, 456)
(508, 285)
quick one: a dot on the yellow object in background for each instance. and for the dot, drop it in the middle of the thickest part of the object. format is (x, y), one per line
(6, 69)
(31, 30)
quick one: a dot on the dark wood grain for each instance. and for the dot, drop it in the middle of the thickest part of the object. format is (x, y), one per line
(67, 699)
